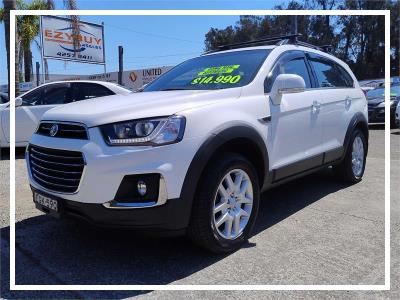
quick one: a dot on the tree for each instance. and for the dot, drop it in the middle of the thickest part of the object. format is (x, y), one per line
(395, 37)
(28, 30)
(5, 17)
(358, 40)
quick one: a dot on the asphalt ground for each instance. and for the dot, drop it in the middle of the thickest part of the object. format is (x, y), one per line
(314, 230)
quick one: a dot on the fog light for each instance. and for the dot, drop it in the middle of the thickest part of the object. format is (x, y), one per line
(141, 187)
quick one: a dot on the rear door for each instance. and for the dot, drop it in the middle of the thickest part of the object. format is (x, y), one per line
(296, 131)
(338, 99)
(23, 118)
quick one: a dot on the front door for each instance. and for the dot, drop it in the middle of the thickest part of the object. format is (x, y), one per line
(34, 105)
(296, 131)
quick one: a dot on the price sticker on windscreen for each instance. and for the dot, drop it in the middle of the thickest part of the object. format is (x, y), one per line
(218, 75)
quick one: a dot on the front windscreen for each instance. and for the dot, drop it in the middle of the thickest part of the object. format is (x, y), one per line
(212, 72)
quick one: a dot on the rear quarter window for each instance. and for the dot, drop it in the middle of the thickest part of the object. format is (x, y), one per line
(330, 74)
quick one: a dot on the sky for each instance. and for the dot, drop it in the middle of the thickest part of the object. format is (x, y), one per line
(148, 41)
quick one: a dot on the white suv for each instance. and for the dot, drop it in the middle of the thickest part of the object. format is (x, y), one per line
(192, 152)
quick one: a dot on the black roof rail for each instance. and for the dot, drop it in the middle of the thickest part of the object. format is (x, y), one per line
(289, 39)
(300, 43)
(325, 48)
(261, 41)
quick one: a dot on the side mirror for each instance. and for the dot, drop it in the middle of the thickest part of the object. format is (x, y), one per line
(18, 102)
(286, 84)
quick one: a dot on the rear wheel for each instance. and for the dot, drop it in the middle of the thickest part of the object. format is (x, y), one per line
(226, 205)
(353, 165)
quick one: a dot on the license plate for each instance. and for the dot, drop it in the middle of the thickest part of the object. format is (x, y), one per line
(45, 201)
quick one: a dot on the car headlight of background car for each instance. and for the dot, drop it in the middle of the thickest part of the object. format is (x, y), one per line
(382, 104)
(145, 132)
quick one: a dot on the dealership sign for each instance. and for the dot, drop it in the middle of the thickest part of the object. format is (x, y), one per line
(134, 79)
(58, 41)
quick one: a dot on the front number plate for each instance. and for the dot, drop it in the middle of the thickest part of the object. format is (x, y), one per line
(45, 201)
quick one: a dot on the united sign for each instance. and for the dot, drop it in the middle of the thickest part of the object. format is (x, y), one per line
(58, 41)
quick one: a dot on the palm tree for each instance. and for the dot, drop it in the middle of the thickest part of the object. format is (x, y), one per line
(27, 30)
(5, 17)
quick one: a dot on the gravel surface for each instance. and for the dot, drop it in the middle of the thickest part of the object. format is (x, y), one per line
(312, 231)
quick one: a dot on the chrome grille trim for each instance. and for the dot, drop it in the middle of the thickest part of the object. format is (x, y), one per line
(56, 170)
(52, 155)
(49, 183)
(53, 177)
(55, 163)
(67, 130)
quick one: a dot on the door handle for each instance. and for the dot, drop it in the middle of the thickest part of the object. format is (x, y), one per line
(347, 102)
(316, 107)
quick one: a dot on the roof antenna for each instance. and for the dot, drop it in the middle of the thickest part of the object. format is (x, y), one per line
(293, 24)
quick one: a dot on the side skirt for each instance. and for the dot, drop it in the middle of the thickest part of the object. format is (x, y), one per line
(306, 166)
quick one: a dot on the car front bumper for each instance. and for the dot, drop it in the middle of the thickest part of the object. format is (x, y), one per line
(377, 114)
(105, 168)
(164, 219)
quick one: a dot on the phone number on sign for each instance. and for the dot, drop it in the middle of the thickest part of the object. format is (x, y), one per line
(74, 56)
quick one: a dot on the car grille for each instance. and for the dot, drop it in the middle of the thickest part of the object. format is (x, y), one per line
(56, 170)
(64, 130)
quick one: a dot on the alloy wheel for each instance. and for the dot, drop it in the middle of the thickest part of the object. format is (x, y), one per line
(357, 156)
(233, 204)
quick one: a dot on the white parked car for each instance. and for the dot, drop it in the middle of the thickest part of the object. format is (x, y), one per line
(193, 151)
(31, 105)
(397, 115)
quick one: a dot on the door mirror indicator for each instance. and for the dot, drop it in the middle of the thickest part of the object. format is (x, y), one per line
(18, 102)
(286, 84)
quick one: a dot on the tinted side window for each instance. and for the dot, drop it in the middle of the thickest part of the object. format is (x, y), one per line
(33, 98)
(85, 91)
(4, 99)
(346, 76)
(328, 73)
(56, 94)
(292, 66)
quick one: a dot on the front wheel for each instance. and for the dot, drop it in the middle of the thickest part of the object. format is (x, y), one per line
(352, 167)
(226, 205)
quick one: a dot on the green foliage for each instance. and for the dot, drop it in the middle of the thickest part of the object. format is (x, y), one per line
(358, 40)
(28, 29)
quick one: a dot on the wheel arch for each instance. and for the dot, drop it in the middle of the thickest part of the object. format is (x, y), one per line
(357, 122)
(241, 139)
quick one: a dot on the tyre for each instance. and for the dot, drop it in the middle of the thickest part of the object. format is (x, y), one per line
(226, 204)
(352, 167)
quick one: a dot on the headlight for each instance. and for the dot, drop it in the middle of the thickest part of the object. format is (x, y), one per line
(382, 104)
(148, 132)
